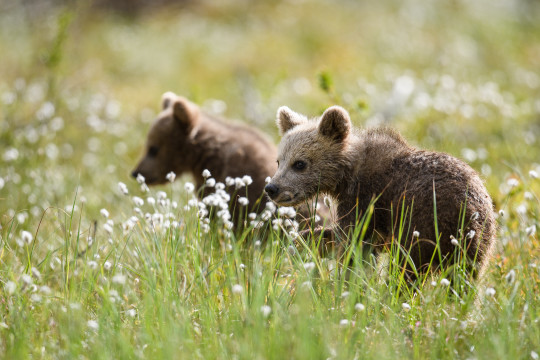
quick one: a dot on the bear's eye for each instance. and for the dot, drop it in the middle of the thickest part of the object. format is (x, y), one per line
(152, 151)
(299, 165)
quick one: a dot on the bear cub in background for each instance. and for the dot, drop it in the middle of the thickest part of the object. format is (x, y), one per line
(359, 167)
(183, 139)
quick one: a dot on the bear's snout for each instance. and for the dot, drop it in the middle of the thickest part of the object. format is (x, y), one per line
(272, 190)
(134, 173)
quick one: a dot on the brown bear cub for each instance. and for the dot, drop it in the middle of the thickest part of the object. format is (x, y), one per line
(377, 166)
(183, 139)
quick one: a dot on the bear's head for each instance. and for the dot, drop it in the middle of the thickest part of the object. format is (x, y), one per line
(169, 140)
(310, 156)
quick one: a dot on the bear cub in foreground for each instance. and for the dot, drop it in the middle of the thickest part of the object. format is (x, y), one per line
(183, 139)
(361, 167)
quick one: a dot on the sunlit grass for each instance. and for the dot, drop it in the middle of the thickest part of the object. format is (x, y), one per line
(77, 96)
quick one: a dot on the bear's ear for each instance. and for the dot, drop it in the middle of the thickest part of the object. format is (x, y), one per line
(288, 119)
(185, 113)
(335, 123)
(167, 99)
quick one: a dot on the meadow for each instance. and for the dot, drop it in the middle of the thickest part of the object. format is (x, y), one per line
(94, 265)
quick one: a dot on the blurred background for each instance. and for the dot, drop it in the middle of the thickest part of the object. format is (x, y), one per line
(81, 82)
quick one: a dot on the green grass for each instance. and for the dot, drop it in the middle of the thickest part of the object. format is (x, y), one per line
(78, 90)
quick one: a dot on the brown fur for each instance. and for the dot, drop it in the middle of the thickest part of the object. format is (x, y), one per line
(189, 141)
(183, 139)
(355, 167)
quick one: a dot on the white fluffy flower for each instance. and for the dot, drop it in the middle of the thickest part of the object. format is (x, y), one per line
(267, 180)
(119, 279)
(206, 173)
(108, 228)
(490, 291)
(140, 179)
(211, 182)
(309, 266)
(171, 176)
(266, 310)
(138, 201)
(247, 180)
(243, 201)
(26, 237)
(531, 230)
(237, 289)
(189, 187)
(10, 287)
(104, 213)
(415, 234)
(359, 307)
(511, 276)
(445, 282)
(92, 324)
(533, 174)
(406, 307)
(512, 182)
(123, 188)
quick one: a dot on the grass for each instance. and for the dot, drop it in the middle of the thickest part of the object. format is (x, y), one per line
(79, 87)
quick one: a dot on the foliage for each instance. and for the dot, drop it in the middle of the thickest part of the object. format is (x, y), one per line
(150, 277)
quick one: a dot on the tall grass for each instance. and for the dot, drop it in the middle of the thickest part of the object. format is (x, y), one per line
(163, 282)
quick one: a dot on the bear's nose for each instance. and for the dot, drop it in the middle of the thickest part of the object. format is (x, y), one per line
(134, 173)
(271, 190)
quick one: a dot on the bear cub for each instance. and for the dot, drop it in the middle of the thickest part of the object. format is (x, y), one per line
(183, 139)
(358, 168)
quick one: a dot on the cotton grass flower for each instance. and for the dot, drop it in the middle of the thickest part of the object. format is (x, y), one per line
(406, 307)
(415, 234)
(247, 180)
(123, 188)
(107, 265)
(510, 277)
(309, 266)
(10, 287)
(170, 176)
(138, 201)
(211, 182)
(531, 230)
(206, 173)
(140, 179)
(26, 237)
(453, 240)
(445, 282)
(359, 307)
(108, 228)
(344, 322)
(92, 324)
(243, 201)
(533, 174)
(189, 187)
(237, 289)
(119, 279)
(490, 292)
(266, 310)
(104, 213)
(512, 182)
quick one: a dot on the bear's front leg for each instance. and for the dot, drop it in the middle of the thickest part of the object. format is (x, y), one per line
(326, 239)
